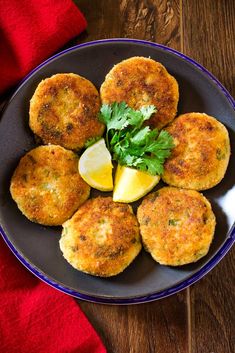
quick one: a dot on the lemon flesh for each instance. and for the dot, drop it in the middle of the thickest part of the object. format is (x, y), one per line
(95, 166)
(132, 184)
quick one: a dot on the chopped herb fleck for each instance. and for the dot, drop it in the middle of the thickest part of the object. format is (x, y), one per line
(219, 154)
(173, 222)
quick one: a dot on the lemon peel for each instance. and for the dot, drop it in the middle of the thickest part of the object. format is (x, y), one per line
(132, 184)
(95, 166)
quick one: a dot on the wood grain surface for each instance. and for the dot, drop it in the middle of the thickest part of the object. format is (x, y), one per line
(199, 319)
(209, 38)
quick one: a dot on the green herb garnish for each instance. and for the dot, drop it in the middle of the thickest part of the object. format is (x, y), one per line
(219, 154)
(173, 222)
(130, 143)
(91, 141)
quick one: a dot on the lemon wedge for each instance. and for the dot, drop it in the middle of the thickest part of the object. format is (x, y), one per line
(132, 184)
(95, 166)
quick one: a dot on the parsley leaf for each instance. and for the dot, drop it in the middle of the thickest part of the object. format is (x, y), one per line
(91, 141)
(115, 116)
(130, 143)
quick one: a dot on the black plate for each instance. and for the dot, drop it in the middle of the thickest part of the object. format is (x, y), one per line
(37, 246)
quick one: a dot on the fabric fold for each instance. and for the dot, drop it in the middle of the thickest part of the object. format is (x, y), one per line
(31, 31)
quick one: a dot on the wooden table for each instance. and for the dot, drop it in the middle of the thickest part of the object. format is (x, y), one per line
(199, 319)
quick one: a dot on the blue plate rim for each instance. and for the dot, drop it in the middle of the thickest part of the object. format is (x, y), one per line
(154, 296)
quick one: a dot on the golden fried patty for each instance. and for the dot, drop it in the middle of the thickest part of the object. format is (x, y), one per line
(46, 185)
(102, 238)
(177, 225)
(140, 81)
(201, 154)
(64, 111)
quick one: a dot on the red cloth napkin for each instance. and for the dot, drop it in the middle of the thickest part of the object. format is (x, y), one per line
(36, 318)
(30, 31)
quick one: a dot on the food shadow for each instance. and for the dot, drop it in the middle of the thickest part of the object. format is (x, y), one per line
(228, 182)
(190, 97)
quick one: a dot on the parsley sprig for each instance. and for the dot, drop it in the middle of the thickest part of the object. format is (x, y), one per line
(132, 144)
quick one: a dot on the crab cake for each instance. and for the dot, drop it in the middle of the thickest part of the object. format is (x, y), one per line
(102, 238)
(64, 111)
(140, 81)
(177, 225)
(46, 185)
(201, 154)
